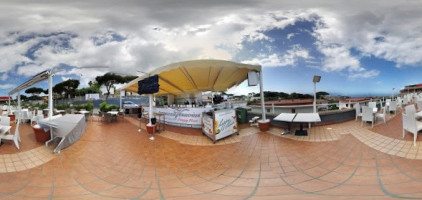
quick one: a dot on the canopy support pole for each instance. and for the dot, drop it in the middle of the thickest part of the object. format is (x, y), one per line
(150, 108)
(50, 95)
(261, 91)
(120, 94)
(19, 100)
(9, 110)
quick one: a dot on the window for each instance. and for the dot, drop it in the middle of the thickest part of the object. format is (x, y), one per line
(293, 110)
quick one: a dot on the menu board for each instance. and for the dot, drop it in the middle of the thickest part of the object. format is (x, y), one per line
(207, 125)
(225, 122)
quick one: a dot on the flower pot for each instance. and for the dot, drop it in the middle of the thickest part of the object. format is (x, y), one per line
(150, 129)
(12, 117)
(41, 135)
(264, 125)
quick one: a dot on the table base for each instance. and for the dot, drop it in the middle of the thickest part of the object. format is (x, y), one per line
(301, 133)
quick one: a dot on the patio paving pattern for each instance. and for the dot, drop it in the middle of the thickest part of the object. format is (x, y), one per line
(115, 161)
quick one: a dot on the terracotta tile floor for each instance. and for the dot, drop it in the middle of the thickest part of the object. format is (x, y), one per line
(115, 161)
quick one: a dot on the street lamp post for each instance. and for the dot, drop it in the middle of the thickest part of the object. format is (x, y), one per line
(392, 94)
(316, 79)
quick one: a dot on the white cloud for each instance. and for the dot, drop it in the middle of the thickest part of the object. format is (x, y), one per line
(290, 35)
(289, 59)
(7, 86)
(364, 74)
(338, 58)
(4, 77)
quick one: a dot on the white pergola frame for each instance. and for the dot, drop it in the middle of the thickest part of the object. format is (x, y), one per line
(48, 74)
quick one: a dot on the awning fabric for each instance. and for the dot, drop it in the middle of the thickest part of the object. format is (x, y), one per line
(35, 79)
(194, 76)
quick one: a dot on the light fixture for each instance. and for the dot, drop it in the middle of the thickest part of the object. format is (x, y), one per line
(316, 79)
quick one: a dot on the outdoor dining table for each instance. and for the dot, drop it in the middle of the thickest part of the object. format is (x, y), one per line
(285, 117)
(113, 112)
(305, 118)
(68, 127)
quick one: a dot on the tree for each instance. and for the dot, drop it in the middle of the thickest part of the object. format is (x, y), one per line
(87, 90)
(34, 90)
(68, 87)
(129, 78)
(108, 80)
(24, 97)
(321, 94)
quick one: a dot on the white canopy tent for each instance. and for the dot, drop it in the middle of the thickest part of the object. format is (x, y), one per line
(194, 76)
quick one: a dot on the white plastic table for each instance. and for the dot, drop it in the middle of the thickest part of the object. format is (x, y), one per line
(286, 117)
(113, 112)
(305, 118)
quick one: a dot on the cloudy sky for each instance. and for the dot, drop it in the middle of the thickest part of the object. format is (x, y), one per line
(358, 47)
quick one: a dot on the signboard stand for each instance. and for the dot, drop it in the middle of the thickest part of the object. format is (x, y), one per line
(219, 124)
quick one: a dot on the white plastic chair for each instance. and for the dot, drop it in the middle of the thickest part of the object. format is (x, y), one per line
(392, 106)
(5, 121)
(367, 115)
(419, 104)
(381, 115)
(410, 124)
(411, 109)
(399, 102)
(15, 137)
(372, 104)
(358, 111)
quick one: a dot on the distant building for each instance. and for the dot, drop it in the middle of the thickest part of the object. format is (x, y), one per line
(348, 103)
(417, 88)
(289, 106)
(5, 99)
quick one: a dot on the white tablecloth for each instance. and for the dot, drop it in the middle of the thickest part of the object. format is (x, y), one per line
(68, 127)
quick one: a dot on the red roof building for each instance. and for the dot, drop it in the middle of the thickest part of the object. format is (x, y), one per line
(411, 89)
(290, 102)
(5, 98)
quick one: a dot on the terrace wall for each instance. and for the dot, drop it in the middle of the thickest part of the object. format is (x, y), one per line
(327, 117)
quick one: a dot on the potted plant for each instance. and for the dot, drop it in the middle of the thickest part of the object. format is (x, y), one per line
(264, 125)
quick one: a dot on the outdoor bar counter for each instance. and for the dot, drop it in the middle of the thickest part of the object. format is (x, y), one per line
(184, 117)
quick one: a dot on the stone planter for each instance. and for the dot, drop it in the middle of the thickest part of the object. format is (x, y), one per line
(150, 129)
(41, 135)
(12, 118)
(264, 125)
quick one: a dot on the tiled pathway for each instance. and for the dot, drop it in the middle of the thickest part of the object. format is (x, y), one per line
(114, 161)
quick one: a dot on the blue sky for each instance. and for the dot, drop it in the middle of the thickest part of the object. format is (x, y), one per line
(359, 48)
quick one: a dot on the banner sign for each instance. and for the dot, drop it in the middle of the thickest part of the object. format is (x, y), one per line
(185, 117)
(225, 122)
(94, 96)
(207, 125)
